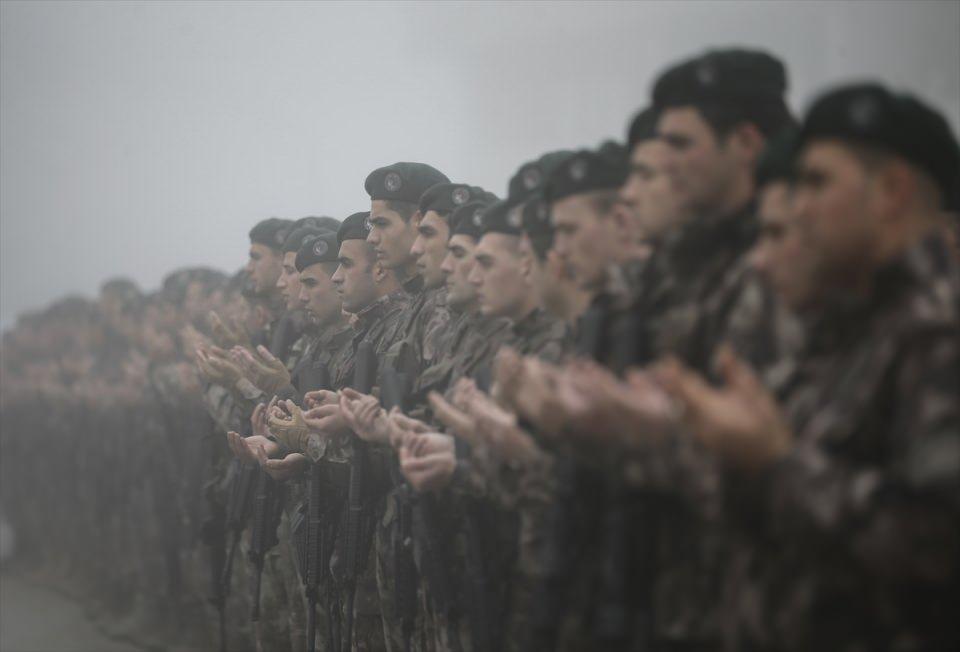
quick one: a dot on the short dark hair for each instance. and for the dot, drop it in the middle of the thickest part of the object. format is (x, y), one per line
(769, 117)
(404, 209)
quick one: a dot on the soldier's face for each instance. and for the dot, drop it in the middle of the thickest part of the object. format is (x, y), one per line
(354, 276)
(782, 254)
(500, 278)
(391, 236)
(263, 266)
(649, 191)
(430, 247)
(835, 201)
(701, 167)
(584, 239)
(318, 295)
(289, 281)
(456, 267)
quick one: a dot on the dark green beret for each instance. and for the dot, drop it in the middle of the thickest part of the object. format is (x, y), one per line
(536, 217)
(298, 235)
(776, 163)
(586, 171)
(468, 220)
(322, 222)
(729, 75)
(446, 197)
(403, 181)
(355, 227)
(321, 248)
(499, 217)
(271, 232)
(529, 179)
(642, 128)
(901, 124)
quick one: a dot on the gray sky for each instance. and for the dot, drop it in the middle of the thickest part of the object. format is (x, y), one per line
(136, 138)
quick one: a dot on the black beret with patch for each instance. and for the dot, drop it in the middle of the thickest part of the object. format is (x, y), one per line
(872, 115)
(587, 171)
(298, 235)
(642, 128)
(444, 198)
(499, 217)
(776, 163)
(321, 248)
(271, 232)
(729, 75)
(468, 220)
(529, 179)
(535, 215)
(355, 227)
(322, 222)
(403, 181)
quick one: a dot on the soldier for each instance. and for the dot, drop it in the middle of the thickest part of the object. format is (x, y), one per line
(851, 467)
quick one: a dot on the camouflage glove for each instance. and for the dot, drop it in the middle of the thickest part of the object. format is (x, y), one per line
(227, 337)
(266, 371)
(291, 432)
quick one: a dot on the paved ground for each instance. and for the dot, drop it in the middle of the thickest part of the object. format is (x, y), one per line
(35, 619)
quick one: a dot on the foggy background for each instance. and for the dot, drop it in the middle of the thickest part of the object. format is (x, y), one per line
(136, 138)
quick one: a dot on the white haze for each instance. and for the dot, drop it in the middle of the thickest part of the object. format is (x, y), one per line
(136, 138)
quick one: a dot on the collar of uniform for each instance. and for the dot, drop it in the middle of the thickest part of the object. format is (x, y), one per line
(529, 323)
(927, 268)
(332, 333)
(413, 285)
(374, 310)
(705, 236)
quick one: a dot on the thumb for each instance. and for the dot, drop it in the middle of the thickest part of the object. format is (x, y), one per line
(735, 372)
(265, 354)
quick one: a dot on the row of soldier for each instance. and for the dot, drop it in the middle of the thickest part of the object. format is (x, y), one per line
(693, 392)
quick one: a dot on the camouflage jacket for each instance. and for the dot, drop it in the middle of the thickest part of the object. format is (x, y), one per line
(541, 335)
(850, 542)
(422, 326)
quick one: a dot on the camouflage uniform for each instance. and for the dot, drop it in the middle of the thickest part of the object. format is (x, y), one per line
(849, 543)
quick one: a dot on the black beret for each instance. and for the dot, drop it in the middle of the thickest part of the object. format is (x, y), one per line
(322, 222)
(586, 171)
(499, 217)
(297, 236)
(468, 220)
(271, 232)
(403, 181)
(446, 197)
(903, 125)
(529, 179)
(321, 248)
(642, 128)
(729, 75)
(355, 227)
(776, 163)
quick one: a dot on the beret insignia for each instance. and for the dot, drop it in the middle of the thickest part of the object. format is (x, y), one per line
(280, 236)
(578, 169)
(367, 226)
(392, 182)
(706, 74)
(320, 247)
(460, 196)
(478, 217)
(515, 217)
(531, 178)
(863, 112)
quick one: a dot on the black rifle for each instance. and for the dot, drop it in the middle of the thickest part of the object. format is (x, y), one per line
(243, 477)
(313, 547)
(392, 394)
(364, 374)
(267, 509)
